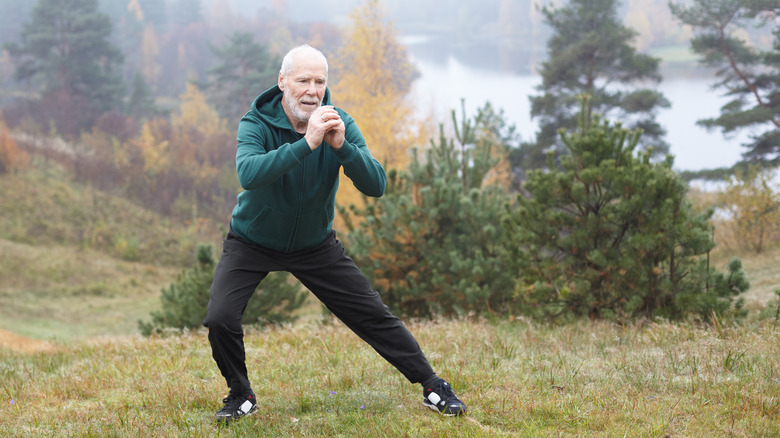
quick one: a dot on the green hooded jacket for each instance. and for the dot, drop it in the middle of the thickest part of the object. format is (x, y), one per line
(288, 202)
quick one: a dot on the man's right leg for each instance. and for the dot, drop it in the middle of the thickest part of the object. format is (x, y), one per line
(236, 277)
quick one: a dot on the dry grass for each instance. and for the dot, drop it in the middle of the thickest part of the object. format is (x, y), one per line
(519, 379)
(58, 293)
(96, 377)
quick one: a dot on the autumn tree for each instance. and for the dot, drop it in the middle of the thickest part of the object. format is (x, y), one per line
(752, 205)
(184, 165)
(245, 69)
(203, 149)
(371, 79)
(748, 74)
(65, 52)
(590, 52)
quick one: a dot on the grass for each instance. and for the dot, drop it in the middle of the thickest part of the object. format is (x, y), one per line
(42, 207)
(762, 272)
(60, 294)
(519, 379)
(93, 375)
(76, 262)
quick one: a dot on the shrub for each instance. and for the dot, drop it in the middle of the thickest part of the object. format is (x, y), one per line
(752, 206)
(11, 157)
(184, 303)
(431, 245)
(606, 233)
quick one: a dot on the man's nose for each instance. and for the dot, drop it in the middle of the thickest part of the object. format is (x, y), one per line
(311, 88)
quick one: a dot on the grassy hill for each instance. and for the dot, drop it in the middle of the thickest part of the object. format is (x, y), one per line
(77, 263)
(79, 267)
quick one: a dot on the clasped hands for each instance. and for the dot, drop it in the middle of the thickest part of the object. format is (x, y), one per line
(326, 125)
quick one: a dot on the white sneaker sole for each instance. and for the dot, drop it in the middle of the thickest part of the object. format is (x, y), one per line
(435, 409)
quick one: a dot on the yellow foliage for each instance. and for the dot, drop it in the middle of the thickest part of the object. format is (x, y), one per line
(753, 207)
(135, 8)
(195, 112)
(153, 151)
(373, 77)
(501, 174)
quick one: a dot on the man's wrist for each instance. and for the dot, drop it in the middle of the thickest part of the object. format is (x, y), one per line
(310, 143)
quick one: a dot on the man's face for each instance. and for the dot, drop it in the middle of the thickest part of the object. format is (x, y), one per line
(304, 86)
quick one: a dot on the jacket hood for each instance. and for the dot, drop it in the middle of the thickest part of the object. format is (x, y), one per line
(268, 106)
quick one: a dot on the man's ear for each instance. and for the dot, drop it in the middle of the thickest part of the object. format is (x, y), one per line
(280, 82)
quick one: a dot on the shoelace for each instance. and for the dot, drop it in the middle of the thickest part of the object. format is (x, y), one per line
(232, 402)
(447, 394)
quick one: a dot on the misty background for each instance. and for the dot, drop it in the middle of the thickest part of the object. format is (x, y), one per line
(477, 50)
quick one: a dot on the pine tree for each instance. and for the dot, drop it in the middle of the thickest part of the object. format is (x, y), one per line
(64, 50)
(185, 302)
(141, 103)
(590, 52)
(606, 233)
(431, 244)
(749, 75)
(245, 70)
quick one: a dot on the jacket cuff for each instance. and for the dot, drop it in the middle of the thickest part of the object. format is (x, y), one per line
(301, 149)
(346, 153)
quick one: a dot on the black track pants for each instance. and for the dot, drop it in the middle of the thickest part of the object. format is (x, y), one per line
(326, 271)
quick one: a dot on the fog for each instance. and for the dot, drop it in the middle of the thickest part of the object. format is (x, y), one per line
(480, 50)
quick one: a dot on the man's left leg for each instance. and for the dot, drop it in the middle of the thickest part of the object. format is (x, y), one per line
(336, 281)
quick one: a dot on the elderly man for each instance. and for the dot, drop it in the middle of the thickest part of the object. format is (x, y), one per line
(291, 145)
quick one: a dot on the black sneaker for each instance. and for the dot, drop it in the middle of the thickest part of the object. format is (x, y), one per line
(236, 407)
(440, 398)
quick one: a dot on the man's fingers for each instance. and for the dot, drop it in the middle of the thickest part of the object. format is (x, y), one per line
(327, 113)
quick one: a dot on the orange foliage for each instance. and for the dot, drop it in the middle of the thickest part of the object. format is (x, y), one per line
(11, 157)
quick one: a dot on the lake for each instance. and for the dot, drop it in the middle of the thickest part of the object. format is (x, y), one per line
(442, 85)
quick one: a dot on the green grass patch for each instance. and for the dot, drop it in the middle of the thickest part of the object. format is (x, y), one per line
(518, 379)
(62, 293)
(77, 263)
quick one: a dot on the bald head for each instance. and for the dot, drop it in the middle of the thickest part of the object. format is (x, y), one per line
(295, 56)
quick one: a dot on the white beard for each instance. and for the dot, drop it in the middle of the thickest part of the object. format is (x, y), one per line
(297, 111)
